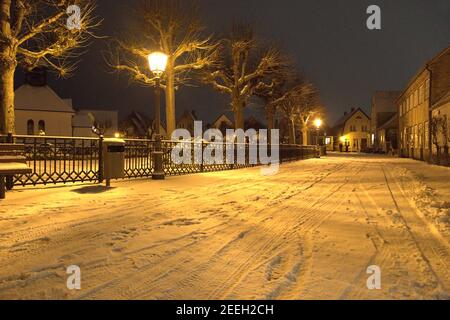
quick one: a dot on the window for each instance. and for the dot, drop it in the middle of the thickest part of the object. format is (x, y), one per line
(416, 98)
(427, 89)
(41, 127)
(422, 93)
(420, 133)
(416, 136)
(30, 127)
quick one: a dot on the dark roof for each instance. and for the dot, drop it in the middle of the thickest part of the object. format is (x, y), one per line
(443, 100)
(392, 122)
(423, 69)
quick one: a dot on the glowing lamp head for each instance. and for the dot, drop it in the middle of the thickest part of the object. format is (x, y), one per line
(318, 123)
(117, 135)
(158, 63)
(343, 139)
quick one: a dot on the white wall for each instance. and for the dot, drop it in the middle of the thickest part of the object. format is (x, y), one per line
(56, 123)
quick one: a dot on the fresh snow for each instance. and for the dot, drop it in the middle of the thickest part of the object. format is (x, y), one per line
(309, 232)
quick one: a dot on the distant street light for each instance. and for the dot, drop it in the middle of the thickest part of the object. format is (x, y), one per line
(318, 123)
(158, 63)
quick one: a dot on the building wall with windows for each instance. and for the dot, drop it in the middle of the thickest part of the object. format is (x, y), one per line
(414, 118)
(384, 108)
(40, 111)
(44, 123)
(415, 107)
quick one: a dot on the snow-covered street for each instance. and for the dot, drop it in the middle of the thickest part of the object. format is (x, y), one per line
(309, 232)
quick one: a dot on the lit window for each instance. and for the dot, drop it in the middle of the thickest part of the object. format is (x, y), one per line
(41, 126)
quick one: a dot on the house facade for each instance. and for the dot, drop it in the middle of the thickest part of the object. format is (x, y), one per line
(352, 131)
(84, 120)
(138, 125)
(387, 139)
(415, 107)
(384, 121)
(40, 111)
(223, 123)
(187, 121)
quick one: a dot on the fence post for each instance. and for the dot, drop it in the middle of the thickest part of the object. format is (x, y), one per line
(100, 159)
(203, 160)
(158, 160)
(9, 179)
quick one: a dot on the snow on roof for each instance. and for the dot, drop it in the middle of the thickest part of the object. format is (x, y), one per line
(40, 98)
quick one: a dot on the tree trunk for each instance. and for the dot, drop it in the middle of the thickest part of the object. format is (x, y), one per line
(170, 101)
(292, 139)
(8, 65)
(270, 116)
(238, 108)
(7, 119)
(305, 136)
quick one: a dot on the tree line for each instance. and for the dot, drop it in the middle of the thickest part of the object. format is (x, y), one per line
(238, 64)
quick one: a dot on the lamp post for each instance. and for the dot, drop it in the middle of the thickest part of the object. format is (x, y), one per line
(158, 62)
(318, 124)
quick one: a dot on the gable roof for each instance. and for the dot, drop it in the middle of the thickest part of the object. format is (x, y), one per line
(342, 121)
(224, 117)
(188, 114)
(40, 98)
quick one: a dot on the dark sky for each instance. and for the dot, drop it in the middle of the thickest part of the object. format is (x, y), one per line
(328, 39)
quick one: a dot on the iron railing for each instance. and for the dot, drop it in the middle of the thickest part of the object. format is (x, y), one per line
(57, 160)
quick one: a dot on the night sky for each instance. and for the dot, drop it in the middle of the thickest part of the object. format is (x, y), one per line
(328, 39)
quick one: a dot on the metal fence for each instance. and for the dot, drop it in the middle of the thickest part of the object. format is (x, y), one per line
(57, 160)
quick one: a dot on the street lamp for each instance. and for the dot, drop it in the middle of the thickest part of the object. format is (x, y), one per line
(158, 62)
(318, 123)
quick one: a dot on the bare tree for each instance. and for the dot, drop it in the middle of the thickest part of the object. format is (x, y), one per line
(174, 28)
(36, 33)
(298, 104)
(271, 96)
(244, 68)
(439, 135)
(309, 108)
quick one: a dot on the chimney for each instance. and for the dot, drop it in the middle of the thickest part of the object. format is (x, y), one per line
(353, 109)
(36, 77)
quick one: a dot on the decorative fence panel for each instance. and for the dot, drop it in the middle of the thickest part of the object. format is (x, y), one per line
(59, 160)
(70, 159)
